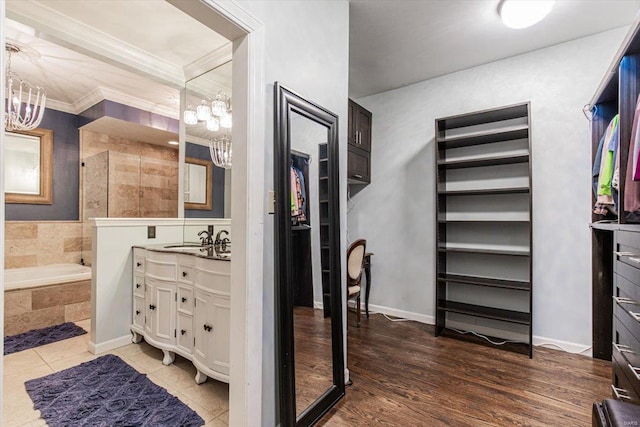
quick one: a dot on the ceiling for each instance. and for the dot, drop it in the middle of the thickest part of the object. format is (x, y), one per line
(86, 51)
(395, 43)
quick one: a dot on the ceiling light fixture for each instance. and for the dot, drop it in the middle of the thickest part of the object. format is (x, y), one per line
(173, 143)
(24, 103)
(519, 14)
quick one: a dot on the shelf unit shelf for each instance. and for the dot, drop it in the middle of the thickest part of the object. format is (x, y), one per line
(510, 316)
(517, 285)
(484, 231)
(324, 231)
(485, 191)
(486, 137)
(484, 161)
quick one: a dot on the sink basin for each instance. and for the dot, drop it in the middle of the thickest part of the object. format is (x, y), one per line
(186, 245)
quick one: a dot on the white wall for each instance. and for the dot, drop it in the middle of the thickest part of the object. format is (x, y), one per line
(306, 50)
(395, 213)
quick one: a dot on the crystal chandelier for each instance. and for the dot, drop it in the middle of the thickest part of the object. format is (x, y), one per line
(221, 151)
(214, 114)
(24, 103)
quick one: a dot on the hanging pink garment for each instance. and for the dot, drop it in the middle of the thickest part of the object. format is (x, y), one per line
(631, 183)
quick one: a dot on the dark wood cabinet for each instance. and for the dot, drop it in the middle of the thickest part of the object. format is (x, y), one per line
(359, 162)
(358, 166)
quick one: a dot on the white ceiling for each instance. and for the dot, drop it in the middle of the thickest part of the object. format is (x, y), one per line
(136, 52)
(400, 42)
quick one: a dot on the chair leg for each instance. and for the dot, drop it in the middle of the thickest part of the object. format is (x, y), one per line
(358, 309)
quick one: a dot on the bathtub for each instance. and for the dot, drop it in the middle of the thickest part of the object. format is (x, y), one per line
(36, 297)
(31, 277)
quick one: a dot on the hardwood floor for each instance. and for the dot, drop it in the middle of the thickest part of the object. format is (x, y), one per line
(404, 376)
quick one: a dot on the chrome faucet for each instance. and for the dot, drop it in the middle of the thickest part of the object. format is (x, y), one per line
(206, 240)
(221, 244)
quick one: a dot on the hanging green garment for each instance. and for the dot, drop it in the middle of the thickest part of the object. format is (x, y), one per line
(609, 150)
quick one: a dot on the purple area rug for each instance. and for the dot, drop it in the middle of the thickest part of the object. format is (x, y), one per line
(107, 392)
(38, 337)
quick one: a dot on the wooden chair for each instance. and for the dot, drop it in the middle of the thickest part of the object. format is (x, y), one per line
(355, 266)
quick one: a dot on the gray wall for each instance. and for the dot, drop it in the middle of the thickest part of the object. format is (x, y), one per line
(395, 213)
(66, 156)
(217, 210)
(307, 50)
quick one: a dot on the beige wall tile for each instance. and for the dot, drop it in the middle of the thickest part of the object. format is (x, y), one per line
(72, 244)
(17, 302)
(17, 261)
(20, 230)
(61, 295)
(77, 311)
(33, 320)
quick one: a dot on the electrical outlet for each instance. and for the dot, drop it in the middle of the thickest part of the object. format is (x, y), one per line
(271, 202)
(151, 232)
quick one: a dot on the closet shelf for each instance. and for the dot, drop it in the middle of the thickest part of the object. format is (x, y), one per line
(483, 161)
(510, 316)
(494, 250)
(484, 191)
(445, 220)
(517, 285)
(485, 137)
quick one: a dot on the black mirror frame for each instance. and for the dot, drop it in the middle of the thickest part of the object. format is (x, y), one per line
(285, 102)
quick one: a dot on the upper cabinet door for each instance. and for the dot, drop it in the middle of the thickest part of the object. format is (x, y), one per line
(352, 135)
(363, 121)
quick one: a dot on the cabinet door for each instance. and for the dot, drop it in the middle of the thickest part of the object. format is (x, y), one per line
(149, 307)
(352, 137)
(163, 312)
(184, 332)
(211, 328)
(138, 312)
(363, 121)
(358, 166)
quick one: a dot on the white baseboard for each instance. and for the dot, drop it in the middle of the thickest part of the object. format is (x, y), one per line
(567, 346)
(109, 345)
(346, 375)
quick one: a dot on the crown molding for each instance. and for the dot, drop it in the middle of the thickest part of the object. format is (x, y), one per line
(59, 28)
(220, 56)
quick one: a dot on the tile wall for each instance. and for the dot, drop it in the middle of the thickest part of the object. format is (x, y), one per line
(31, 243)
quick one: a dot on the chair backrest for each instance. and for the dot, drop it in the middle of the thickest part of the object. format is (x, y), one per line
(355, 260)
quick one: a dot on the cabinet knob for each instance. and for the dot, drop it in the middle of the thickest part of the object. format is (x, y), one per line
(207, 328)
(137, 312)
(183, 299)
(137, 285)
(182, 332)
(184, 274)
(152, 307)
(138, 264)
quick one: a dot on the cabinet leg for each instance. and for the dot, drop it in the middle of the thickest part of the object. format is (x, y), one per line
(136, 338)
(200, 377)
(169, 357)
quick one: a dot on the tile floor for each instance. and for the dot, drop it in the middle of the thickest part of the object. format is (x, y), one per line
(210, 400)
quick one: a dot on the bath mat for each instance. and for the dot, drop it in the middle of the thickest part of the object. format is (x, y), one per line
(107, 392)
(38, 337)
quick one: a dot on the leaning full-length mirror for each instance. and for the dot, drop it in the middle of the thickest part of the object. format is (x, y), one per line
(308, 279)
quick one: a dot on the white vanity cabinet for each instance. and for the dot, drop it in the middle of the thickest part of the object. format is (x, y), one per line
(181, 305)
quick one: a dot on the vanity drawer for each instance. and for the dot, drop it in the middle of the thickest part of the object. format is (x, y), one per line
(213, 276)
(625, 388)
(138, 260)
(161, 266)
(184, 332)
(138, 312)
(138, 285)
(185, 274)
(185, 299)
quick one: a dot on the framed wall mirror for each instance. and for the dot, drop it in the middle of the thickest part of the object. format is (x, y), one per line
(198, 183)
(308, 295)
(28, 167)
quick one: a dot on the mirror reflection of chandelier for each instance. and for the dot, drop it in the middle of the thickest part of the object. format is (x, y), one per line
(214, 114)
(24, 103)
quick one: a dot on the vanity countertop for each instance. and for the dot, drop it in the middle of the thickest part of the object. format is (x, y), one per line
(188, 249)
